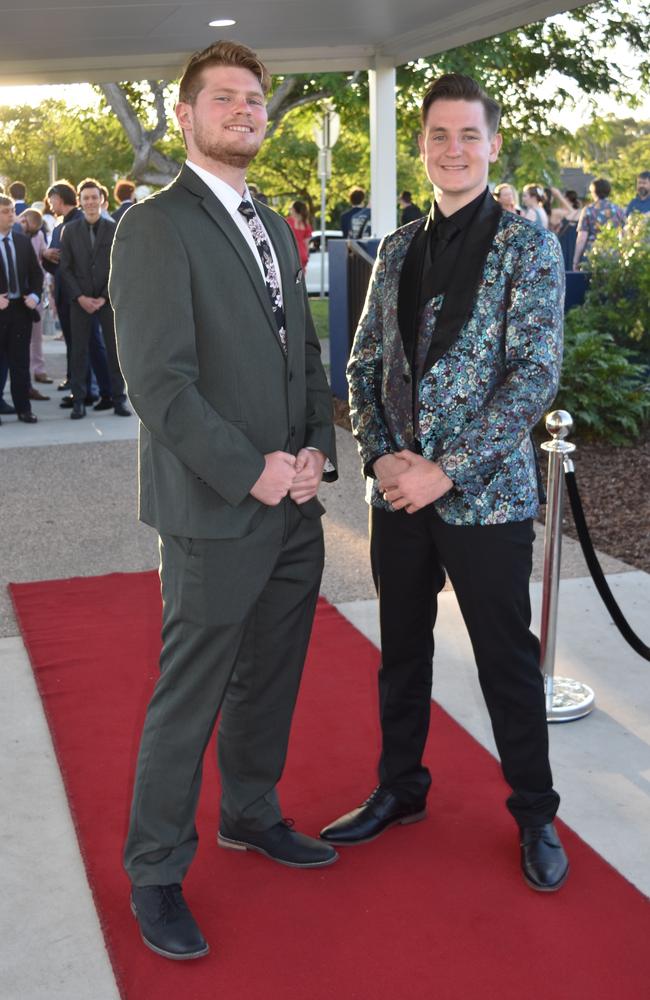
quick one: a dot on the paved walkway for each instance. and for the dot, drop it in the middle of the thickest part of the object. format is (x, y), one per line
(68, 502)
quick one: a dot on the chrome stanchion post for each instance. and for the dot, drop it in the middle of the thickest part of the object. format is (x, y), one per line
(566, 699)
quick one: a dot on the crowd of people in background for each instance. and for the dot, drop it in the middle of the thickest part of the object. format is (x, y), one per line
(48, 264)
(576, 225)
(55, 259)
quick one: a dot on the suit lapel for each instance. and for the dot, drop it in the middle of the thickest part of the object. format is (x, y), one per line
(463, 286)
(211, 204)
(409, 288)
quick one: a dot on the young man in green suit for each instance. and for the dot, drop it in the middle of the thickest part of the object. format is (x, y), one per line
(223, 368)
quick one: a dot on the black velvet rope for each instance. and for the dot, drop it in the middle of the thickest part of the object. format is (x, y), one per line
(597, 574)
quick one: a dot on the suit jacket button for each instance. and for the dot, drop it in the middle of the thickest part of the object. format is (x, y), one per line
(291, 376)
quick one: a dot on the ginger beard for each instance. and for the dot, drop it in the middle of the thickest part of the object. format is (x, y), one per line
(233, 153)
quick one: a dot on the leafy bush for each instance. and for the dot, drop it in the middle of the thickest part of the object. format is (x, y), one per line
(618, 300)
(606, 393)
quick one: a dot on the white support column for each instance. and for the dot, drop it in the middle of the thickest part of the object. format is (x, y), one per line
(383, 147)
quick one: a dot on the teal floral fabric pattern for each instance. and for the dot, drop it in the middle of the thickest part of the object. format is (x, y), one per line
(478, 403)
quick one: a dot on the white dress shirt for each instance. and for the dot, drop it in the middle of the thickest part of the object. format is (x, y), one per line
(231, 200)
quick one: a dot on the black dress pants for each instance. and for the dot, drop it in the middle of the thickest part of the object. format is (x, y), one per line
(15, 338)
(489, 567)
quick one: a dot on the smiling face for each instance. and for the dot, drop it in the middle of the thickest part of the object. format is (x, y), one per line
(90, 200)
(226, 124)
(457, 149)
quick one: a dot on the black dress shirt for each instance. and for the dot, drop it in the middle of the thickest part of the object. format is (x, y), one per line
(447, 235)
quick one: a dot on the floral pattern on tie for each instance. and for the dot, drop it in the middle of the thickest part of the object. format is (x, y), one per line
(271, 278)
(478, 403)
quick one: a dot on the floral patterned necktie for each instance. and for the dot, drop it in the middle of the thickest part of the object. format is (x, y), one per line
(270, 274)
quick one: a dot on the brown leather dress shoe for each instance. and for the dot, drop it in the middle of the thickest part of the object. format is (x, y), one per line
(44, 379)
(35, 394)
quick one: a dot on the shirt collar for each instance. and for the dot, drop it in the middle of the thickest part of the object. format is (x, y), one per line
(458, 220)
(10, 234)
(230, 198)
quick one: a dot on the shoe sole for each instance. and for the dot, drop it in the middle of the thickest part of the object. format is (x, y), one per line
(546, 888)
(404, 821)
(168, 954)
(241, 845)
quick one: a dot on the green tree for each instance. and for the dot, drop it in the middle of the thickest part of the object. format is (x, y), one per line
(85, 143)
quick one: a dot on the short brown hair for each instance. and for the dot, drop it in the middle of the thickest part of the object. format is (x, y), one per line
(123, 190)
(89, 182)
(458, 87)
(220, 54)
(602, 187)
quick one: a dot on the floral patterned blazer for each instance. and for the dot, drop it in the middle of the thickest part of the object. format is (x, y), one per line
(477, 402)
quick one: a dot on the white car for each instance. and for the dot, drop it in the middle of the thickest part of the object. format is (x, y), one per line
(312, 277)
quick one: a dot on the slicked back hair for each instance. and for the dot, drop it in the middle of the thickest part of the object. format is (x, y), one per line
(458, 87)
(220, 54)
(65, 191)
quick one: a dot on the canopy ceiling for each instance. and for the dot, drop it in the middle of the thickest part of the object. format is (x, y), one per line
(64, 41)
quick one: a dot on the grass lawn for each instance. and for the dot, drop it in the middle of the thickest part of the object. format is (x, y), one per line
(320, 312)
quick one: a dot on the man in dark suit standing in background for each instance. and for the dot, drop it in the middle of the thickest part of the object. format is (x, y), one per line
(62, 197)
(223, 367)
(85, 263)
(21, 286)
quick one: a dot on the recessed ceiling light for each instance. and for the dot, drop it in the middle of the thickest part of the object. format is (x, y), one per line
(223, 22)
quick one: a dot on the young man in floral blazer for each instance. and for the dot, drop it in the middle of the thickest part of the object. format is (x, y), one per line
(456, 358)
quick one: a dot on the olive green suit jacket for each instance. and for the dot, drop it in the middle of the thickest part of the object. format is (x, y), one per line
(206, 374)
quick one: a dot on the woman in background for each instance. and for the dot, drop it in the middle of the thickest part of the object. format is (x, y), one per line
(298, 219)
(31, 221)
(564, 222)
(506, 195)
(533, 200)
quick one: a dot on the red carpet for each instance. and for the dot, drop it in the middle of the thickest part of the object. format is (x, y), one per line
(434, 911)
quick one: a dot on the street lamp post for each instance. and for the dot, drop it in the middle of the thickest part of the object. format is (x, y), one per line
(325, 134)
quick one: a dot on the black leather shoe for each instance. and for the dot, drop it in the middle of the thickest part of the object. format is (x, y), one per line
(105, 403)
(166, 924)
(78, 411)
(64, 386)
(379, 812)
(28, 418)
(5, 409)
(544, 864)
(121, 410)
(280, 843)
(67, 401)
